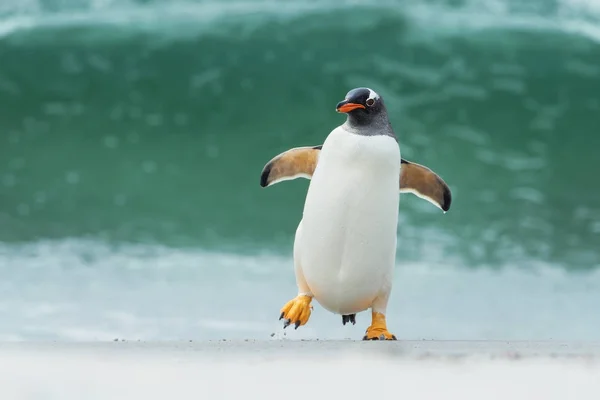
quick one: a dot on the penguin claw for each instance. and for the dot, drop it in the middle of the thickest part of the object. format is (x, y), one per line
(296, 311)
(380, 337)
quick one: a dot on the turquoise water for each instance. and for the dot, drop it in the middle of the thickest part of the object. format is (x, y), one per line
(133, 133)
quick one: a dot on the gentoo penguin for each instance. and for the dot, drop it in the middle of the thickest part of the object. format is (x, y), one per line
(345, 244)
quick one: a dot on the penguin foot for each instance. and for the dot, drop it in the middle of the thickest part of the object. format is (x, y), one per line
(296, 311)
(349, 318)
(378, 329)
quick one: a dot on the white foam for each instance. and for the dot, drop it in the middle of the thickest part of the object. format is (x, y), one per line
(498, 15)
(580, 17)
(79, 290)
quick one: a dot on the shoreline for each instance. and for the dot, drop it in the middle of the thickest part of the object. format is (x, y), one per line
(407, 349)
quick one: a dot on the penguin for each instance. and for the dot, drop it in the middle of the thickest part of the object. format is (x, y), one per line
(344, 248)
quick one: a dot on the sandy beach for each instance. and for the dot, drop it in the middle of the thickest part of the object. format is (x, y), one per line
(301, 369)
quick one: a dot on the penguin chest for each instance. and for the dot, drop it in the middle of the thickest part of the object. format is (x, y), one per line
(348, 239)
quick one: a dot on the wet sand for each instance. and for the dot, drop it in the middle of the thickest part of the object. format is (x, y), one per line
(285, 369)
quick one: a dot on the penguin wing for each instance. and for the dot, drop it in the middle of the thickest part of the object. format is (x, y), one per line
(424, 183)
(299, 162)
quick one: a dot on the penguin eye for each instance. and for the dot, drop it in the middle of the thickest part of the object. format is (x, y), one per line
(370, 102)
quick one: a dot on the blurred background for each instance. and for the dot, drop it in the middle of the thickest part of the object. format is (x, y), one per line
(133, 134)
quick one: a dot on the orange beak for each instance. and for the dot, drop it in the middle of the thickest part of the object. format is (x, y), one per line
(347, 107)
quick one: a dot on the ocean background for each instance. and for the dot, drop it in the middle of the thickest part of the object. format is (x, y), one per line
(133, 134)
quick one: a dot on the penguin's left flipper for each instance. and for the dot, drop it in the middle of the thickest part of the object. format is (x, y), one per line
(299, 162)
(424, 183)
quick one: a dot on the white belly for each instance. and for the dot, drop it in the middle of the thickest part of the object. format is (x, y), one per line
(347, 240)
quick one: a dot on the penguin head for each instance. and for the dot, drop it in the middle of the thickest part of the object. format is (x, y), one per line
(363, 106)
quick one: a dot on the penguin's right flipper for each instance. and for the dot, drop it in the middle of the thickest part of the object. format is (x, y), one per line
(424, 183)
(299, 162)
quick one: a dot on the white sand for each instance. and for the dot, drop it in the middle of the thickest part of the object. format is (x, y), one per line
(299, 370)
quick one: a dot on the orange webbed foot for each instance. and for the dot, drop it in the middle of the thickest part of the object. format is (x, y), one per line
(378, 329)
(296, 311)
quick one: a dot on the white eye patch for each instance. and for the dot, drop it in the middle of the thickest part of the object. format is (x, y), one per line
(373, 95)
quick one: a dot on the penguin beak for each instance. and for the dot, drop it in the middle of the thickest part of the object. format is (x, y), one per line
(345, 106)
